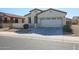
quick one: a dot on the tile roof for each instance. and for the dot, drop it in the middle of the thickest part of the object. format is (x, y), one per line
(11, 15)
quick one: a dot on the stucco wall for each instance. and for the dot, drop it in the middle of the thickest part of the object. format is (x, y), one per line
(33, 13)
(17, 25)
(26, 18)
(52, 14)
(75, 29)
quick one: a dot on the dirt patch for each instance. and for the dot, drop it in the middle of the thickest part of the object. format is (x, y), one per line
(71, 34)
(12, 30)
(4, 29)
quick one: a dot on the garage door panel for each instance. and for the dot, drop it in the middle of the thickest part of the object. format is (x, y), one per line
(51, 23)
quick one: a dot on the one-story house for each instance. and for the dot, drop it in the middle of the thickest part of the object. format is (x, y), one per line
(45, 18)
(75, 25)
(75, 20)
(68, 21)
(11, 20)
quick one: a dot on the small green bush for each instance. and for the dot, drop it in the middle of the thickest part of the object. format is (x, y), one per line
(67, 28)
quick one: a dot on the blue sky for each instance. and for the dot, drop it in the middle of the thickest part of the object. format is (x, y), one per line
(22, 11)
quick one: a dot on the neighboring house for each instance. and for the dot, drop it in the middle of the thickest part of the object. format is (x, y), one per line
(11, 20)
(75, 20)
(45, 18)
(75, 25)
(68, 21)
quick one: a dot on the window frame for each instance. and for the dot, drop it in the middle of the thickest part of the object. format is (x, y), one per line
(29, 20)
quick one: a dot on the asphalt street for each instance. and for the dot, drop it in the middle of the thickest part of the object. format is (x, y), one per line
(10, 43)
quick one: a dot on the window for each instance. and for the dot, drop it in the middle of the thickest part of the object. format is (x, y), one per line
(59, 18)
(5, 20)
(54, 18)
(29, 19)
(22, 20)
(35, 19)
(41, 18)
(16, 20)
(68, 22)
(48, 18)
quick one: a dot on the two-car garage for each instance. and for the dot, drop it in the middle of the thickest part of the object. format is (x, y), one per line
(51, 22)
(51, 18)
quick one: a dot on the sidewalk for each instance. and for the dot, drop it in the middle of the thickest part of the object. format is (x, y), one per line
(60, 38)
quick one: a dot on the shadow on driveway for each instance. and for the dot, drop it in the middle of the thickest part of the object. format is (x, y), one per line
(42, 31)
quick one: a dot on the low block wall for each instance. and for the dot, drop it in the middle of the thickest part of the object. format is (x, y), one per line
(75, 29)
(17, 25)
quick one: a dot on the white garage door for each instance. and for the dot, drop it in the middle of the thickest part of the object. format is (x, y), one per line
(51, 23)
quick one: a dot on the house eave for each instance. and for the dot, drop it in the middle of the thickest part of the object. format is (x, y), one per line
(52, 9)
(35, 9)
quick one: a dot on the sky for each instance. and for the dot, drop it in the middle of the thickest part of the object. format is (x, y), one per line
(22, 11)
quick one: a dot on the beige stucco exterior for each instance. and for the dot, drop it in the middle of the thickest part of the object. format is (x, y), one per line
(68, 21)
(52, 14)
(19, 24)
(75, 26)
(75, 29)
(10, 20)
(32, 14)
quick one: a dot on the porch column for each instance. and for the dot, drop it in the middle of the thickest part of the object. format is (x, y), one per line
(9, 22)
(8, 19)
(12, 21)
